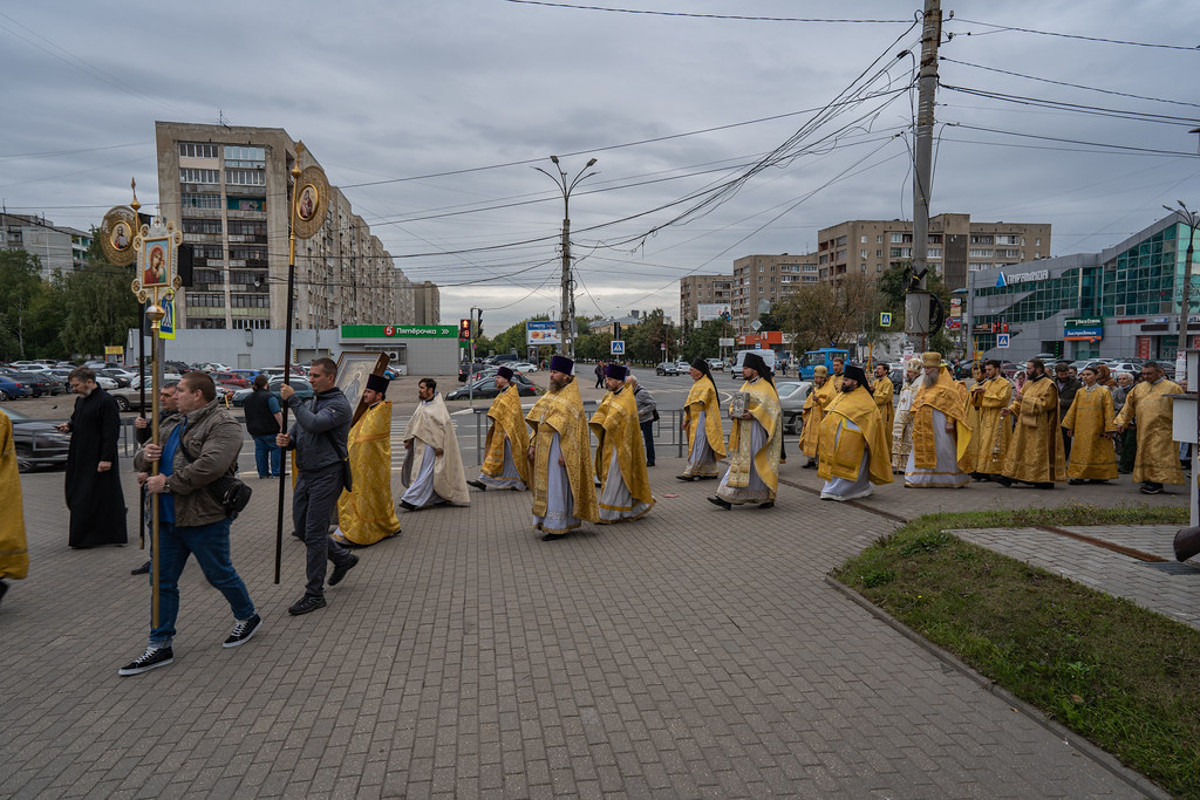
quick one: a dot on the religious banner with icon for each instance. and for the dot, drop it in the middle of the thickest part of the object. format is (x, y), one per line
(311, 200)
(116, 233)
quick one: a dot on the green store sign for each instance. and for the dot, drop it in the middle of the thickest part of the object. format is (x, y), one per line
(399, 332)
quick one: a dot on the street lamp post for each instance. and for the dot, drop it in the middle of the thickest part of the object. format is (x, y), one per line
(1192, 220)
(567, 345)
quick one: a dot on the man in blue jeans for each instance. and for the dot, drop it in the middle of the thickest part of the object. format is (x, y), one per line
(264, 419)
(200, 449)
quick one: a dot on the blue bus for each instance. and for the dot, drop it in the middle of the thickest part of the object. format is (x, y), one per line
(823, 357)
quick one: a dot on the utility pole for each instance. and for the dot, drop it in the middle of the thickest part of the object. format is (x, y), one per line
(1191, 219)
(917, 304)
(567, 346)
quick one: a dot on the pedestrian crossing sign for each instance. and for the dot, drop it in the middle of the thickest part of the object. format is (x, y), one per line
(1002, 340)
(618, 347)
(885, 319)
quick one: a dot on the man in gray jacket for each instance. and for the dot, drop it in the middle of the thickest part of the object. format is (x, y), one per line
(647, 410)
(200, 449)
(322, 428)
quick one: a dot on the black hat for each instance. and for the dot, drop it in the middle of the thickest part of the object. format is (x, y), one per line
(855, 373)
(702, 365)
(378, 383)
(505, 372)
(755, 362)
(561, 364)
(615, 371)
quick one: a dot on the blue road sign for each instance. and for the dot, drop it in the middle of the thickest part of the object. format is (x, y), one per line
(1002, 340)
(618, 347)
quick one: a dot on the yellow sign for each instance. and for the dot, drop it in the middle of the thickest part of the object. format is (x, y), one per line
(114, 350)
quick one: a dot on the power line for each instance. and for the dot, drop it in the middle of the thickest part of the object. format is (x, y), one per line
(1165, 119)
(1108, 145)
(737, 17)
(1101, 39)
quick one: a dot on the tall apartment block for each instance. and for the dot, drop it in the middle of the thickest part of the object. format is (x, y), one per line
(760, 281)
(58, 248)
(956, 246)
(229, 189)
(697, 290)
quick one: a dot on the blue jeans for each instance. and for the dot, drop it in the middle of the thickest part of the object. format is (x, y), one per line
(210, 545)
(264, 449)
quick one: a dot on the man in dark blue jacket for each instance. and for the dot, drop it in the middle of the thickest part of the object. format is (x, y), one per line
(322, 428)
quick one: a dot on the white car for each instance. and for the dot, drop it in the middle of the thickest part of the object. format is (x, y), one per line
(105, 383)
(523, 367)
(168, 377)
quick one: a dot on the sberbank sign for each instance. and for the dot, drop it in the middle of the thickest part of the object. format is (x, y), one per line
(399, 332)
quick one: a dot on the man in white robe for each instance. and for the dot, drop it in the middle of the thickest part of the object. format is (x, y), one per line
(433, 468)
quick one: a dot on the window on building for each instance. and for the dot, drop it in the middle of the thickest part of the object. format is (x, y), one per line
(189, 200)
(977, 252)
(245, 177)
(1037, 242)
(901, 252)
(245, 156)
(208, 176)
(862, 254)
(201, 226)
(979, 238)
(863, 239)
(197, 150)
(1007, 238)
(841, 241)
(879, 254)
(934, 252)
(1008, 253)
(246, 203)
(879, 239)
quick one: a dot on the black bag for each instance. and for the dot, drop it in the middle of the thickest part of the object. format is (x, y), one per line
(228, 490)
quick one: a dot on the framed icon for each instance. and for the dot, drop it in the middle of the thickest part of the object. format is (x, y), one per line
(156, 263)
(352, 371)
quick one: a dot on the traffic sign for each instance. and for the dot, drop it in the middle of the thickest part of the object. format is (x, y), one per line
(885, 319)
(1002, 340)
(618, 347)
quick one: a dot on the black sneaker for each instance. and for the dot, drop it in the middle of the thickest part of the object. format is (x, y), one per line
(306, 605)
(153, 658)
(1152, 488)
(144, 569)
(243, 631)
(340, 570)
(480, 485)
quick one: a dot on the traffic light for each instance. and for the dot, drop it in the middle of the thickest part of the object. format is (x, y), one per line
(464, 330)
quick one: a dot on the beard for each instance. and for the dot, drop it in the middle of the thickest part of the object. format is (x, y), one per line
(847, 388)
(929, 380)
(557, 384)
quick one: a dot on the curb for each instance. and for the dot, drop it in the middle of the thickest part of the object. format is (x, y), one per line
(1101, 757)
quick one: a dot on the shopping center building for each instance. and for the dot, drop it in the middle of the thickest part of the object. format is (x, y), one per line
(1123, 302)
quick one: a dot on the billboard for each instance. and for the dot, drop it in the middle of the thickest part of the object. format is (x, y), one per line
(707, 311)
(542, 331)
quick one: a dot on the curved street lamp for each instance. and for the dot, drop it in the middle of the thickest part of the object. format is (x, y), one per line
(567, 342)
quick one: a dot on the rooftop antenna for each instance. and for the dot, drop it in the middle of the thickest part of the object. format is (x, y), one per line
(221, 119)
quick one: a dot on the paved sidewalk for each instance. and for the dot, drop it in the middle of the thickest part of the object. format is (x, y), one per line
(695, 653)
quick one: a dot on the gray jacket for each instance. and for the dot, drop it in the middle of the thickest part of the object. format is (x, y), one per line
(319, 423)
(213, 439)
(645, 403)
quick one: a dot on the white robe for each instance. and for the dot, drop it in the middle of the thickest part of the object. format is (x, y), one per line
(702, 453)
(946, 472)
(421, 493)
(508, 478)
(755, 490)
(616, 503)
(559, 500)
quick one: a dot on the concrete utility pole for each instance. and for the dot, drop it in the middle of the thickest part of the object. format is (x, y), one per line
(567, 346)
(1191, 219)
(917, 304)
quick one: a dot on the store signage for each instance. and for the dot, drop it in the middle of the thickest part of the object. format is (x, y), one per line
(399, 331)
(1024, 277)
(1084, 330)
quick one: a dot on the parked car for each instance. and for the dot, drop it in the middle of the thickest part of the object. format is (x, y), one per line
(11, 389)
(136, 383)
(523, 367)
(38, 443)
(792, 395)
(106, 383)
(123, 377)
(466, 369)
(486, 387)
(667, 368)
(716, 364)
(130, 398)
(38, 383)
(231, 379)
(303, 389)
(683, 366)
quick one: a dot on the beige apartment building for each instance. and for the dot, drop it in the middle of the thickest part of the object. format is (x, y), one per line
(956, 246)
(698, 290)
(229, 190)
(760, 281)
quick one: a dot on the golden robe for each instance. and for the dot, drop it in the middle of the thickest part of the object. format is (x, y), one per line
(819, 398)
(367, 514)
(507, 424)
(763, 407)
(1090, 417)
(431, 425)
(615, 425)
(1035, 454)
(994, 431)
(1157, 459)
(949, 397)
(702, 397)
(14, 555)
(562, 413)
(842, 447)
(884, 392)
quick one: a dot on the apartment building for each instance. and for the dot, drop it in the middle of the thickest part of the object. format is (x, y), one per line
(957, 246)
(229, 190)
(698, 290)
(58, 249)
(760, 281)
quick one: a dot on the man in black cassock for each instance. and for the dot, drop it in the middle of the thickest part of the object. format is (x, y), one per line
(93, 484)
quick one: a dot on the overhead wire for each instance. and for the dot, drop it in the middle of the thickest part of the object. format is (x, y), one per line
(1002, 28)
(695, 15)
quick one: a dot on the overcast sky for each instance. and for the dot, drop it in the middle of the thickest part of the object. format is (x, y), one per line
(392, 96)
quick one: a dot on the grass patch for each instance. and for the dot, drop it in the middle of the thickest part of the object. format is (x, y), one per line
(1124, 677)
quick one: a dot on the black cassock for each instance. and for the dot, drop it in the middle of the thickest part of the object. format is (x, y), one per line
(95, 499)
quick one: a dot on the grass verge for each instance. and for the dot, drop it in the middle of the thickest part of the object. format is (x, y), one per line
(1126, 678)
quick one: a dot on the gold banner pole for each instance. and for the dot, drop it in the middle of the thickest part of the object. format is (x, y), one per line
(287, 364)
(155, 313)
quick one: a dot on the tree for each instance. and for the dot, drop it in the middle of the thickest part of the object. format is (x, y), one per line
(100, 308)
(830, 313)
(19, 275)
(892, 285)
(703, 342)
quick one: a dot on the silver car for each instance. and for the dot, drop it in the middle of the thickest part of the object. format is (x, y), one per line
(792, 395)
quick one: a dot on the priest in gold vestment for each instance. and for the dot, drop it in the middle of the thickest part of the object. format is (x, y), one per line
(702, 425)
(1035, 454)
(854, 446)
(561, 475)
(366, 514)
(753, 474)
(505, 465)
(989, 397)
(884, 393)
(14, 556)
(819, 397)
(1148, 405)
(941, 430)
(620, 453)
(1091, 424)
